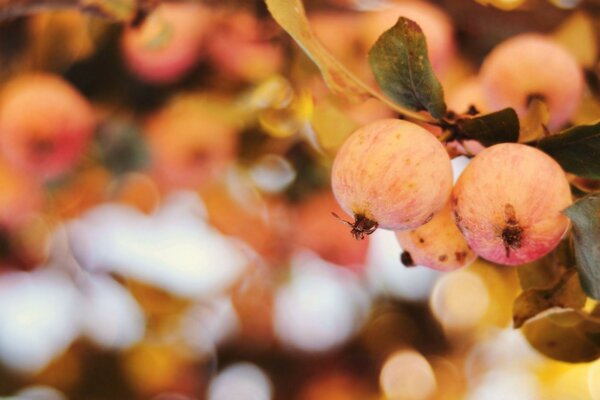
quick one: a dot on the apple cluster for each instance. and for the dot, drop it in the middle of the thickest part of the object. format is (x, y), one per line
(505, 207)
(507, 204)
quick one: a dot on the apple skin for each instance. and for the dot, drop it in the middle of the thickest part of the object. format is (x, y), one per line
(392, 172)
(508, 203)
(45, 125)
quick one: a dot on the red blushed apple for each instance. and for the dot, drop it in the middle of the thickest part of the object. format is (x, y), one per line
(317, 230)
(391, 174)
(45, 124)
(189, 147)
(168, 43)
(508, 203)
(21, 197)
(240, 46)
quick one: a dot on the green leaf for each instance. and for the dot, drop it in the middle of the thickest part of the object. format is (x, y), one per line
(566, 293)
(290, 15)
(585, 215)
(577, 150)
(489, 129)
(401, 67)
(564, 335)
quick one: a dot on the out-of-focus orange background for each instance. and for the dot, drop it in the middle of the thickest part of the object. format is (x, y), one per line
(165, 213)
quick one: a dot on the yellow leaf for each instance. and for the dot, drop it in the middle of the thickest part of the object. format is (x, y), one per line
(290, 15)
(505, 5)
(533, 124)
(577, 35)
(118, 10)
(331, 126)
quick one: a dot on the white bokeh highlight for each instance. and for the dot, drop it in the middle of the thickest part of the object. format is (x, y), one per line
(241, 381)
(111, 317)
(206, 325)
(320, 307)
(173, 249)
(39, 318)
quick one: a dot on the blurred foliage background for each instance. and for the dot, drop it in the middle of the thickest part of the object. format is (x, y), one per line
(186, 249)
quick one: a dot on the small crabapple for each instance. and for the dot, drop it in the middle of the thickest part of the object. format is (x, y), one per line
(528, 66)
(508, 203)
(438, 244)
(391, 174)
(167, 44)
(45, 124)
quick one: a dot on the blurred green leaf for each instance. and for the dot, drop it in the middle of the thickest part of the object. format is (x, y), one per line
(564, 335)
(401, 66)
(566, 293)
(122, 147)
(489, 129)
(585, 215)
(577, 150)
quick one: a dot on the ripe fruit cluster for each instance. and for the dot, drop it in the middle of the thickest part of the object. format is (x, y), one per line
(505, 207)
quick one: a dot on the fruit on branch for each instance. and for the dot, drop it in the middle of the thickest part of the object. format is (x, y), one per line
(436, 25)
(528, 66)
(168, 43)
(391, 174)
(508, 203)
(45, 124)
(438, 244)
(242, 47)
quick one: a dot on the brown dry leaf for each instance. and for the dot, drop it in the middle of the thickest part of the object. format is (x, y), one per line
(567, 293)
(565, 335)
